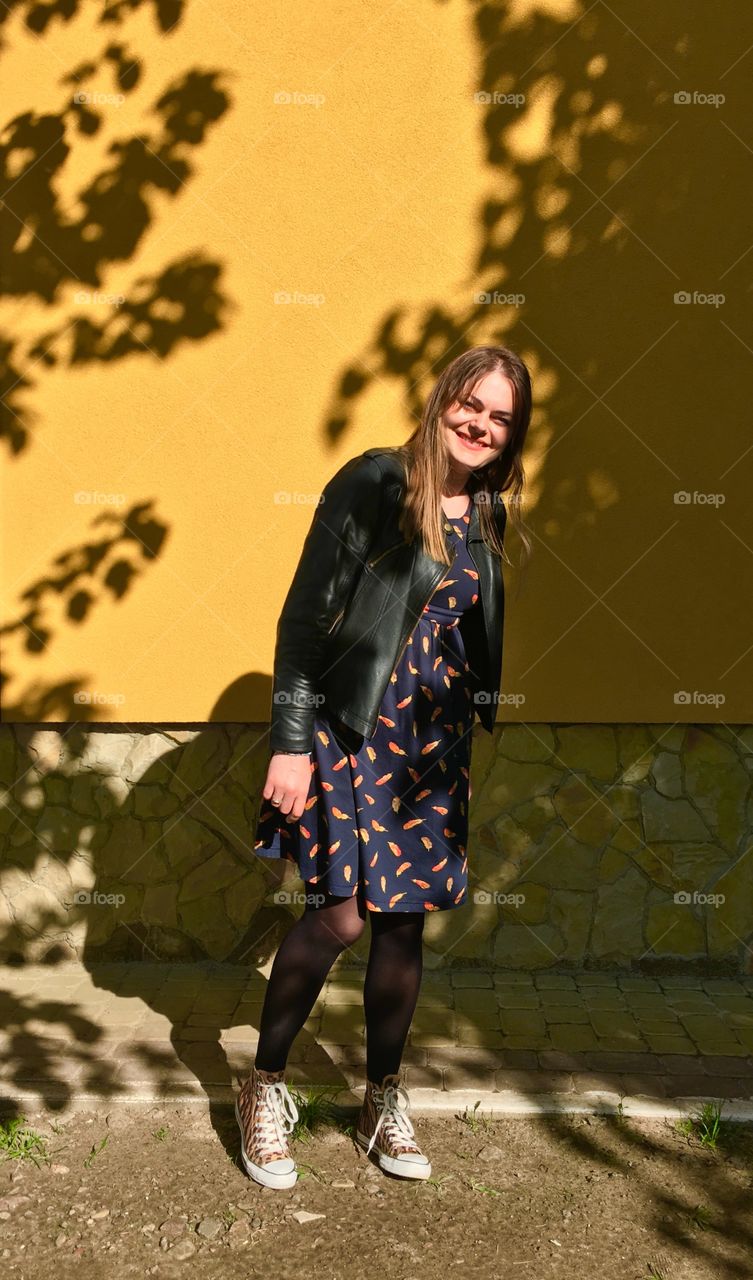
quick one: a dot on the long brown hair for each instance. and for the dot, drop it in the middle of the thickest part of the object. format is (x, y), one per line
(426, 458)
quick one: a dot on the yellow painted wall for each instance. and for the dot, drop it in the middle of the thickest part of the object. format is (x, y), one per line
(390, 195)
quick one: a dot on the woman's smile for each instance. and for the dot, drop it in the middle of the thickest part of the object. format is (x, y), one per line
(470, 442)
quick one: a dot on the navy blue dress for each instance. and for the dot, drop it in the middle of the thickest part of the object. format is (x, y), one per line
(387, 817)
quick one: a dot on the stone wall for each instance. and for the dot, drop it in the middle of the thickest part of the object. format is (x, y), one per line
(590, 846)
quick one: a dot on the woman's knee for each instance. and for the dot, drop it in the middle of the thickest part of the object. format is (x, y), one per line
(341, 918)
(349, 930)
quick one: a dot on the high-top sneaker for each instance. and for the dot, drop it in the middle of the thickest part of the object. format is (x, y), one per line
(383, 1126)
(266, 1114)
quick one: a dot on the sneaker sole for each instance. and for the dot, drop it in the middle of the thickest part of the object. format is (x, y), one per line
(257, 1172)
(402, 1168)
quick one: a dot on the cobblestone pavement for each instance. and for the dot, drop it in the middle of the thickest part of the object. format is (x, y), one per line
(159, 1030)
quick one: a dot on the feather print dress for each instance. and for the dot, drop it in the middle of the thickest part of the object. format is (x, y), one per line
(387, 817)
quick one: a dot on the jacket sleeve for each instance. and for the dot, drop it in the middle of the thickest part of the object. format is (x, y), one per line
(345, 524)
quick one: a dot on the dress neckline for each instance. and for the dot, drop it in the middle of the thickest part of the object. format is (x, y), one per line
(462, 513)
(451, 523)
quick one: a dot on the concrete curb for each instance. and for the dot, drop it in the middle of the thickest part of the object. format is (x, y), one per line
(423, 1102)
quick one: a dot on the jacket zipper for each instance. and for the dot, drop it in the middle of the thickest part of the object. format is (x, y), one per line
(416, 620)
(413, 626)
(369, 565)
(437, 579)
(337, 619)
(436, 583)
(444, 569)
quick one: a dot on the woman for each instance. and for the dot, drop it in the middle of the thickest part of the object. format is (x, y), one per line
(374, 697)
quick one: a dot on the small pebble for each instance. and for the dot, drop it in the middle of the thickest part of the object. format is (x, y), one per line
(303, 1215)
(9, 1204)
(210, 1228)
(490, 1152)
(172, 1228)
(237, 1236)
(183, 1249)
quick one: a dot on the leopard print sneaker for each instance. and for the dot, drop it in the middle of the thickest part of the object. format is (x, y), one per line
(266, 1114)
(383, 1126)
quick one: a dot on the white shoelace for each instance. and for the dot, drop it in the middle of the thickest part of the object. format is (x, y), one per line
(394, 1114)
(279, 1115)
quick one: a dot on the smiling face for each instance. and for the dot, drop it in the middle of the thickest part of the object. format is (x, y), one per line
(476, 431)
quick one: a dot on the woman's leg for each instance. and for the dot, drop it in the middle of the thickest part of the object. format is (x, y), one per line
(391, 987)
(304, 958)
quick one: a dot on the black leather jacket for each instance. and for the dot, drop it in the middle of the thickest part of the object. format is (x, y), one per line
(355, 598)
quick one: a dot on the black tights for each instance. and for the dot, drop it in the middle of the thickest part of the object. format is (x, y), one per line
(305, 957)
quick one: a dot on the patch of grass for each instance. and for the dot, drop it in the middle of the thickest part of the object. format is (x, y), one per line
(701, 1217)
(475, 1120)
(19, 1142)
(436, 1183)
(619, 1112)
(95, 1151)
(308, 1171)
(161, 1133)
(314, 1111)
(707, 1126)
(482, 1189)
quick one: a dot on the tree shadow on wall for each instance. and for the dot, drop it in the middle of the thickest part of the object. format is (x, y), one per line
(50, 250)
(38, 15)
(47, 249)
(591, 222)
(101, 569)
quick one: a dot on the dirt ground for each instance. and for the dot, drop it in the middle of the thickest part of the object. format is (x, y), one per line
(158, 1191)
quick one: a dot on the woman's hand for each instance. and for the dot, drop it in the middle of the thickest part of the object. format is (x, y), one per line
(288, 780)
